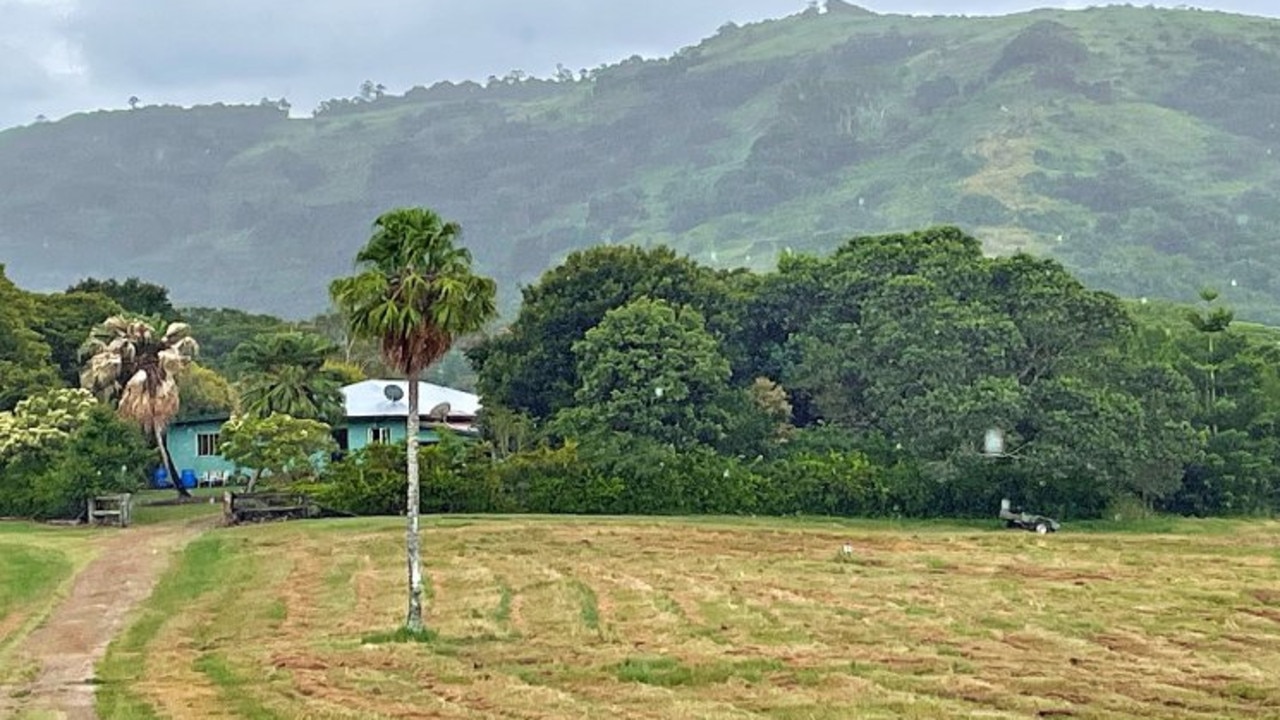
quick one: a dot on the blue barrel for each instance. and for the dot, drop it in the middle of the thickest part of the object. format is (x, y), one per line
(161, 478)
(188, 478)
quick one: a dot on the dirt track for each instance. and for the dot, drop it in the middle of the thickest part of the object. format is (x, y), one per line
(65, 648)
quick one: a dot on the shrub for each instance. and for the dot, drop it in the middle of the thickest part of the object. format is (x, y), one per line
(832, 483)
(453, 478)
(55, 479)
(549, 480)
(458, 478)
(369, 481)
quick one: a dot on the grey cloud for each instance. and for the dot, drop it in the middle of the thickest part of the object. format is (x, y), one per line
(311, 50)
(127, 40)
(200, 51)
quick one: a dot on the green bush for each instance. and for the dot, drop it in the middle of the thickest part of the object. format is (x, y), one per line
(55, 480)
(549, 480)
(651, 478)
(453, 478)
(832, 483)
(457, 478)
(368, 481)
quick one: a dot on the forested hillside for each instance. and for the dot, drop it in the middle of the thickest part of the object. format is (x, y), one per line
(1135, 145)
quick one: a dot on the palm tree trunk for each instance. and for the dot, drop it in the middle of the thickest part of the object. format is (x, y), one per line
(413, 543)
(169, 467)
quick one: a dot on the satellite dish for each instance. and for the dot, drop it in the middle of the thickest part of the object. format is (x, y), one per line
(440, 411)
(393, 393)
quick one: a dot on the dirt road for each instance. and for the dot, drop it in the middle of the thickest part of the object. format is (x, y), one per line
(63, 651)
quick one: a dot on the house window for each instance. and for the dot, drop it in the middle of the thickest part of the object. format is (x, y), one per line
(206, 444)
(379, 435)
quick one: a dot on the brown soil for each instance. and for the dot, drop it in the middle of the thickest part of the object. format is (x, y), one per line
(63, 651)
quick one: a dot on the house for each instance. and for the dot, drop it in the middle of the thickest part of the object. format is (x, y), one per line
(375, 411)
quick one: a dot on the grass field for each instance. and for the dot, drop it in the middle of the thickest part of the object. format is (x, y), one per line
(155, 506)
(550, 618)
(36, 563)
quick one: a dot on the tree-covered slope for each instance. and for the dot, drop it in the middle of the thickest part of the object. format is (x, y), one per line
(1136, 145)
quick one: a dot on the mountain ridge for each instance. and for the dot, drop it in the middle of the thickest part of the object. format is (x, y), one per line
(1136, 145)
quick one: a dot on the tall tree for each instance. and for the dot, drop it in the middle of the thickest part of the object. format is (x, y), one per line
(129, 362)
(531, 368)
(416, 294)
(64, 320)
(134, 295)
(205, 393)
(24, 359)
(286, 373)
(222, 330)
(652, 370)
(1213, 324)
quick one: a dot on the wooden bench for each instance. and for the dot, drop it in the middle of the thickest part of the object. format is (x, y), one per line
(111, 510)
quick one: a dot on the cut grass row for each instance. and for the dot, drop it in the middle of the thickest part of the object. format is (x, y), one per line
(571, 617)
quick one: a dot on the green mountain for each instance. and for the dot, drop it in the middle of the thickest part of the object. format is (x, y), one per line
(1139, 146)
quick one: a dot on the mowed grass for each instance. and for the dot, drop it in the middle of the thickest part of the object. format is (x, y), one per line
(36, 564)
(549, 618)
(152, 506)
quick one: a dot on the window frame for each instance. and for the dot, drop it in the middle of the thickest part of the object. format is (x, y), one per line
(207, 444)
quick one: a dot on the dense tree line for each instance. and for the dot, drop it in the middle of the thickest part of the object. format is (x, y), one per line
(862, 382)
(893, 356)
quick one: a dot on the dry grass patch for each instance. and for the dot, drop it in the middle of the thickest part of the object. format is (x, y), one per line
(546, 618)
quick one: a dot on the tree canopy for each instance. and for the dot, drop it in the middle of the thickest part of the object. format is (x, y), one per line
(530, 367)
(287, 373)
(910, 347)
(652, 370)
(134, 366)
(134, 295)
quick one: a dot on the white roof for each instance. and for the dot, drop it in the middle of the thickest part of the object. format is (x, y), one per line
(369, 399)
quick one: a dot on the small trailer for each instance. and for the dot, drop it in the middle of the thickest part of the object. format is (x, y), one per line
(1015, 518)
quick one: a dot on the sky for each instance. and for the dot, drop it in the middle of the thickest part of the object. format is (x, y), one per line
(58, 57)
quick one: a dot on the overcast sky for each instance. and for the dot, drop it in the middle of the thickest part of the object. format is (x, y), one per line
(62, 56)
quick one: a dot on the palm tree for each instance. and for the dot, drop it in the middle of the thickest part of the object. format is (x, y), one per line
(285, 373)
(415, 293)
(129, 363)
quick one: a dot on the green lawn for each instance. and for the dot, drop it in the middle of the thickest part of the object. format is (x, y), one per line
(36, 564)
(147, 511)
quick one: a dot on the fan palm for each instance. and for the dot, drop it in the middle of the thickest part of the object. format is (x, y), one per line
(285, 373)
(130, 364)
(415, 294)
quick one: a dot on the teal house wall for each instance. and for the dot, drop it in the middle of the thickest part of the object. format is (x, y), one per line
(193, 445)
(362, 432)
